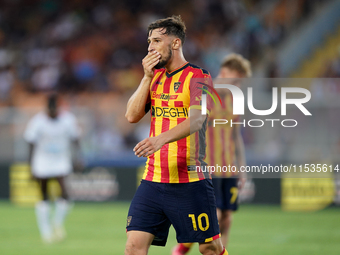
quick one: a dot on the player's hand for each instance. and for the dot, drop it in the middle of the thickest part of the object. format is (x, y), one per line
(148, 146)
(149, 63)
(241, 182)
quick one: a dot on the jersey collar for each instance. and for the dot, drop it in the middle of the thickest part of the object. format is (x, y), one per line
(168, 75)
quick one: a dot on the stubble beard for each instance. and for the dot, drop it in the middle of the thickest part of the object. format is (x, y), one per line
(164, 62)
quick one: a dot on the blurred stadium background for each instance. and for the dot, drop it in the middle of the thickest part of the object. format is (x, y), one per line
(91, 51)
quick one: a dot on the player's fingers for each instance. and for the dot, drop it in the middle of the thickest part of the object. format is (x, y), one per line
(149, 153)
(149, 70)
(151, 61)
(151, 150)
(149, 67)
(138, 145)
(151, 56)
(142, 148)
(153, 64)
(146, 152)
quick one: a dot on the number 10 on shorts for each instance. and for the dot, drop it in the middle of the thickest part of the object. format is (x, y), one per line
(199, 221)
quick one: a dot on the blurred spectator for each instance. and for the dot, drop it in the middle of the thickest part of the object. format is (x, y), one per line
(6, 75)
(79, 45)
(45, 78)
(84, 47)
(6, 83)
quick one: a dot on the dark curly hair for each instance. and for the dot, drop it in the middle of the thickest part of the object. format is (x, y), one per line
(173, 25)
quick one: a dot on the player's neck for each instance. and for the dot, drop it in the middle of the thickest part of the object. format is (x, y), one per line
(177, 61)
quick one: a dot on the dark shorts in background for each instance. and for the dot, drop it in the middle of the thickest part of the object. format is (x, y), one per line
(226, 193)
(189, 207)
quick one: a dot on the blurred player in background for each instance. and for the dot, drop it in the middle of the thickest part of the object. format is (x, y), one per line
(171, 191)
(51, 135)
(225, 147)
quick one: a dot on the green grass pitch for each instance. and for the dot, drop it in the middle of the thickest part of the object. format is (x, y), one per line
(100, 229)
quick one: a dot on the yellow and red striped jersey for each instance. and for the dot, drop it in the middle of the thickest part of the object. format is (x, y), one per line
(220, 141)
(170, 104)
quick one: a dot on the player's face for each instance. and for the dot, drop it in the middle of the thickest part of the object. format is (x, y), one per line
(233, 75)
(52, 112)
(162, 44)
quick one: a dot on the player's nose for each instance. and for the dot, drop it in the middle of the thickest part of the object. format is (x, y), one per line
(151, 48)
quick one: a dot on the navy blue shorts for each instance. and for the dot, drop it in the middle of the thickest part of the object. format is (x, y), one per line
(226, 192)
(189, 207)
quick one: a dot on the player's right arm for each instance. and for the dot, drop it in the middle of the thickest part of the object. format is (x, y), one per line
(136, 105)
(30, 156)
(31, 136)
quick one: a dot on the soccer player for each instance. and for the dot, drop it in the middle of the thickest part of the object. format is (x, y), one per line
(50, 136)
(171, 191)
(225, 147)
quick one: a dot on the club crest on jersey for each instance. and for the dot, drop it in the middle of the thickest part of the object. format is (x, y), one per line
(128, 221)
(177, 85)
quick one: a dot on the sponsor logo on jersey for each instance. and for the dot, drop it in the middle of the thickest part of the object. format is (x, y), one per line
(167, 112)
(128, 220)
(163, 96)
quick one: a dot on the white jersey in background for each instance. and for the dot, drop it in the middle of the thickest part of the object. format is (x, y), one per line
(52, 155)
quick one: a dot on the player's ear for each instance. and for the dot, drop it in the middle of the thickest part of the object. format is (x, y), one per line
(176, 44)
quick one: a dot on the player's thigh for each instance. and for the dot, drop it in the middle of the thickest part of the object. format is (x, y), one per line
(219, 214)
(61, 181)
(146, 212)
(192, 211)
(138, 242)
(43, 182)
(226, 220)
(227, 214)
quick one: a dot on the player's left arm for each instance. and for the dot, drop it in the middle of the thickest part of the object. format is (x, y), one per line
(152, 144)
(31, 149)
(240, 154)
(31, 135)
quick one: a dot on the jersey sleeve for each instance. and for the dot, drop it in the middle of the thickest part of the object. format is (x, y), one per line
(201, 84)
(31, 133)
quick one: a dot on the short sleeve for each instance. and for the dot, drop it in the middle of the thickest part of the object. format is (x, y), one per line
(201, 84)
